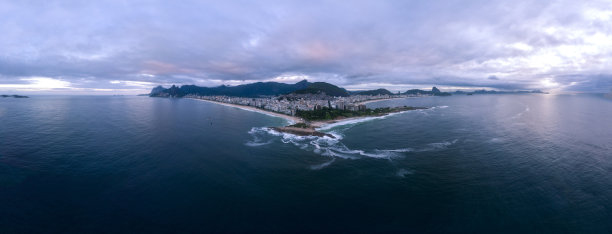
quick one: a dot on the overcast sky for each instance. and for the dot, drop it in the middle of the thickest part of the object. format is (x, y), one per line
(109, 47)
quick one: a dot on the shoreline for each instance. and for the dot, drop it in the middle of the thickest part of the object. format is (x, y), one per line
(313, 126)
(290, 119)
(378, 100)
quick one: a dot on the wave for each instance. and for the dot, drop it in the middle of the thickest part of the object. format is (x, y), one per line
(258, 136)
(428, 147)
(404, 172)
(255, 143)
(333, 147)
(354, 121)
(322, 165)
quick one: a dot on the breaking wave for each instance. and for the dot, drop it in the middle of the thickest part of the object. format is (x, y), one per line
(258, 138)
(333, 147)
(354, 121)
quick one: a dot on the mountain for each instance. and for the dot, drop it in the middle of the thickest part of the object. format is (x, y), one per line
(246, 90)
(323, 87)
(157, 90)
(434, 92)
(373, 92)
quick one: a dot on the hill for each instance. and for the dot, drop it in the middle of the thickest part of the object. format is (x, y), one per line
(246, 90)
(434, 92)
(323, 87)
(373, 92)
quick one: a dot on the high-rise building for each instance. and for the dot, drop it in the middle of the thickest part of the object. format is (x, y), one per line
(340, 105)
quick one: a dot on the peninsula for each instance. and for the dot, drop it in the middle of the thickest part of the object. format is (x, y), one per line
(306, 106)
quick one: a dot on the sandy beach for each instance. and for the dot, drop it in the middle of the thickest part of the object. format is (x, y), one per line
(291, 119)
(312, 128)
(377, 100)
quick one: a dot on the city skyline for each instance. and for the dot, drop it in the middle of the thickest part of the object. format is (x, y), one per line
(116, 47)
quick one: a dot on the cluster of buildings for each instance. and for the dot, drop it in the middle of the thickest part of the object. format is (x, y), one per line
(289, 106)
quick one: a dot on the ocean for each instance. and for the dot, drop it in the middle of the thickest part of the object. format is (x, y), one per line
(532, 163)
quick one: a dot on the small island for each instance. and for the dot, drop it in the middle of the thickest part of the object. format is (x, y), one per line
(302, 129)
(13, 96)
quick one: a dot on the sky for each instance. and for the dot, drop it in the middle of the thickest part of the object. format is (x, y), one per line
(128, 47)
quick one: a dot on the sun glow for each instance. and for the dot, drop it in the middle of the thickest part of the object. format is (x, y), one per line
(38, 84)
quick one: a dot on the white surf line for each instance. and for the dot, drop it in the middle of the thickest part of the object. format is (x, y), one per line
(379, 100)
(355, 120)
(290, 119)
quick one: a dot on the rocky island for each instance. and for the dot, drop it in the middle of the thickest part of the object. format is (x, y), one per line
(302, 129)
(13, 96)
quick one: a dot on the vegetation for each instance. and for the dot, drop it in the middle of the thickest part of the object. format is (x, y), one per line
(275, 89)
(330, 114)
(299, 125)
(322, 87)
(434, 91)
(246, 90)
(374, 92)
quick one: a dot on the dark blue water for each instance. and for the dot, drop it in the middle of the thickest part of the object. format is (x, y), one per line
(491, 163)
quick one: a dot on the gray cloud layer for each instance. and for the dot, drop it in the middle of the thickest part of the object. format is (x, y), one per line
(133, 45)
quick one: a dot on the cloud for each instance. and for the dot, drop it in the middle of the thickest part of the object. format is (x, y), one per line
(38, 84)
(496, 44)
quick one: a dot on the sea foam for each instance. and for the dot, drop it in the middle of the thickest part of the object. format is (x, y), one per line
(333, 147)
(356, 121)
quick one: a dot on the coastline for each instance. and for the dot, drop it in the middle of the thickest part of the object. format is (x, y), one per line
(378, 100)
(314, 128)
(290, 119)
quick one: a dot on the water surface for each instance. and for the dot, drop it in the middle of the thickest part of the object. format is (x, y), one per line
(489, 163)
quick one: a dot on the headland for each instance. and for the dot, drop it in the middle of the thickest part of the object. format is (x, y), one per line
(289, 118)
(306, 123)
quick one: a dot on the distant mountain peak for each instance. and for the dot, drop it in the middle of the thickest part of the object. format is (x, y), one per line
(323, 88)
(434, 91)
(246, 90)
(374, 92)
